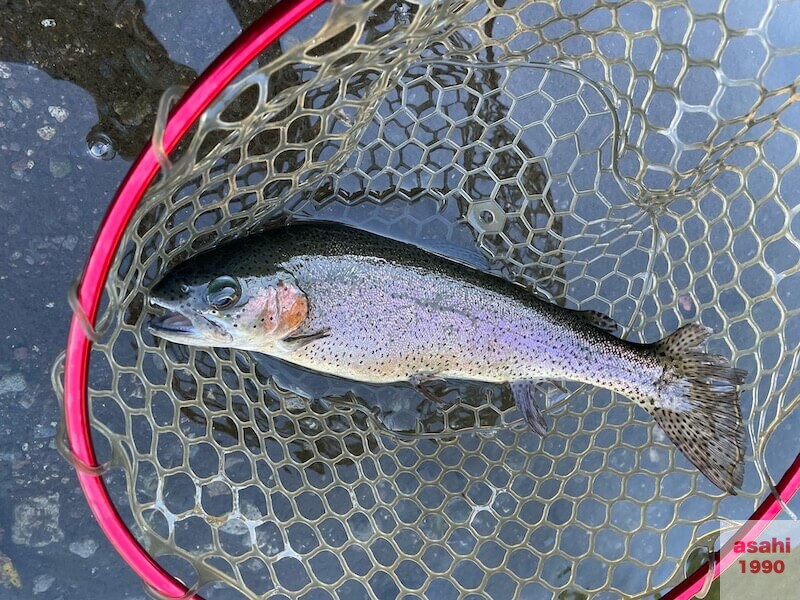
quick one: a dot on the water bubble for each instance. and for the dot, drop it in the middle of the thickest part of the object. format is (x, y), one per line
(101, 146)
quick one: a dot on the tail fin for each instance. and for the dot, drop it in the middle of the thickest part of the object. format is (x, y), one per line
(698, 407)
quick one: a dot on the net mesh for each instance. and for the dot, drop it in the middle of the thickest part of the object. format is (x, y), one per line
(636, 158)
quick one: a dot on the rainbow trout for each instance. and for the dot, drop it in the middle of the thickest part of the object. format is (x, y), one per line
(352, 304)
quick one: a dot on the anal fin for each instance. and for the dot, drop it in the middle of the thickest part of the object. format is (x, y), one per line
(523, 392)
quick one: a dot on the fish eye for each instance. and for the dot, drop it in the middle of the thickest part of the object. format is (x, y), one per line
(223, 292)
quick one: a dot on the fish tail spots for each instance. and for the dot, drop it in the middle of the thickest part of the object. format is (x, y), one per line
(697, 406)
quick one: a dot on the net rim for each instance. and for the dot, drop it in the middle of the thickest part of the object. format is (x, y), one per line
(229, 64)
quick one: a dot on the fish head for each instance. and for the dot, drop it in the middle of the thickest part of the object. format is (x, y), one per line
(226, 308)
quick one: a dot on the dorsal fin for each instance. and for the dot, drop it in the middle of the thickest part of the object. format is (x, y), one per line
(599, 320)
(688, 337)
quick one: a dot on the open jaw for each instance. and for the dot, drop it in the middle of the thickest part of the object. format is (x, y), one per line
(172, 322)
(175, 326)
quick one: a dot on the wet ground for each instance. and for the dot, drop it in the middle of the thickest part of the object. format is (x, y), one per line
(79, 87)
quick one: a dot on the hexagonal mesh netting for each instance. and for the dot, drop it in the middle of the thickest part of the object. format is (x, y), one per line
(628, 157)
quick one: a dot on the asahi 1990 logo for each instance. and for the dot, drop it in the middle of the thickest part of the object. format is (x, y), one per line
(766, 548)
(764, 566)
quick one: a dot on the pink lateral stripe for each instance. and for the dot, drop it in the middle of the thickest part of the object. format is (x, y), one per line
(208, 86)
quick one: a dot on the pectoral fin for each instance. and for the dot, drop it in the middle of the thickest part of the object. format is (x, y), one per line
(295, 342)
(523, 392)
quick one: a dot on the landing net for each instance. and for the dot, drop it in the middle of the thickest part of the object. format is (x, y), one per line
(636, 158)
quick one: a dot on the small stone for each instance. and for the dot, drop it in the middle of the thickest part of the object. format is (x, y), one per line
(22, 165)
(36, 521)
(9, 577)
(5, 71)
(44, 432)
(133, 112)
(84, 549)
(42, 583)
(217, 488)
(249, 511)
(293, 403)
(70, 242)
(11, 384)
(47, 132)
(235, 526)
(59, 113)
(60, 167)
(48, 23)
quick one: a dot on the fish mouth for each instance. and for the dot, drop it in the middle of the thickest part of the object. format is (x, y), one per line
(173, 322)
(175, 326)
